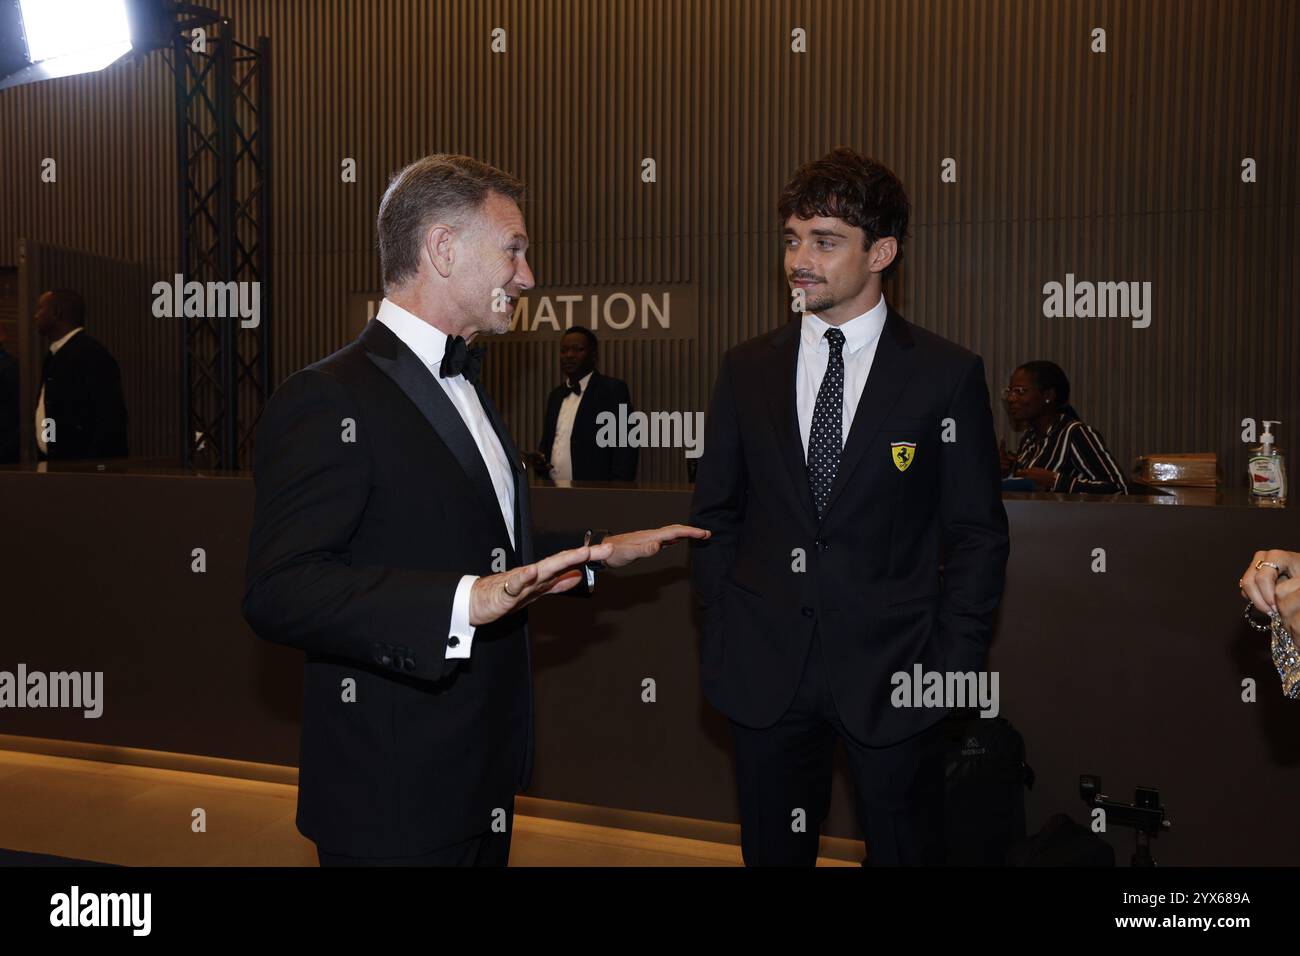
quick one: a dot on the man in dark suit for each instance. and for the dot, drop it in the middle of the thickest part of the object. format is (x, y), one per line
(392, 541)
(571, 413)
(850, 479)
(80, 411)
(9, 442)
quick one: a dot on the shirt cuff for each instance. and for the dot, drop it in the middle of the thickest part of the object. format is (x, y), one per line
(460, 637)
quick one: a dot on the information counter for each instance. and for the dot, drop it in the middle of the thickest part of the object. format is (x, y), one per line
(1120, 648)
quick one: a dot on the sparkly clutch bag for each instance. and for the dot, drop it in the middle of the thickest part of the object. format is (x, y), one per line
(1285, 657)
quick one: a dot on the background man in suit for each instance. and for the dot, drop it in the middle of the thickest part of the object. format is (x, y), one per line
(81, 386)
(569, 449)
(850, 479)
(392, 541)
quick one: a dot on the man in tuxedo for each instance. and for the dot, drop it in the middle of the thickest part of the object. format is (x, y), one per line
(850, 479)
(392, 542)
(80, 411)
(569, 449)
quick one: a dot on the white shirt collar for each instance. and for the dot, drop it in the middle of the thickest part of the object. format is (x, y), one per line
(582, 382)
(858, 331)
(426, 341)
(56, 345)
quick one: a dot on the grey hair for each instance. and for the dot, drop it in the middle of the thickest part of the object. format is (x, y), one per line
(438, 188)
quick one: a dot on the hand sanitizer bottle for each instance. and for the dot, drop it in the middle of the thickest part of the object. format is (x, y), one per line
(1267, 472)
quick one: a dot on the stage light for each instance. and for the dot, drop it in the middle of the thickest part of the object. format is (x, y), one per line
(92, 29)
(62, 38)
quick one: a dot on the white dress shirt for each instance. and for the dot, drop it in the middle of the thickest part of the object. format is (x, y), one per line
(430, 344)
(861, 335)
(561, 459)
(40, 402)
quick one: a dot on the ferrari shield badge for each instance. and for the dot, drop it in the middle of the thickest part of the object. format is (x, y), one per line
(902, 453)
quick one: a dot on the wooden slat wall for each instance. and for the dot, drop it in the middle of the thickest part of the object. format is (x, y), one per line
(9, 308)
(1116, 166)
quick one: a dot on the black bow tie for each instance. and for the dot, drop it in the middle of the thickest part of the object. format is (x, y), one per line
(460, 359)
(575, 388)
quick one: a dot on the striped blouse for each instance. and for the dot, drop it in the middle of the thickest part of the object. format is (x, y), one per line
(1077, 454)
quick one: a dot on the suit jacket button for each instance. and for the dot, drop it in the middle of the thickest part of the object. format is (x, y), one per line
(806, 611)
(453, 641)
(822, 545)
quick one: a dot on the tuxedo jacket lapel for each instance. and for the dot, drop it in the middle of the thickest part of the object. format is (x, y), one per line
(392, 357)
(523, 517)
(587, 403)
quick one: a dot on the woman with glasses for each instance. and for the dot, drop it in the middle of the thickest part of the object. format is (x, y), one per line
(1057, 452)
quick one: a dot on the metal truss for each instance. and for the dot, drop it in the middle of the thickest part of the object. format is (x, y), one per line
(222, 101)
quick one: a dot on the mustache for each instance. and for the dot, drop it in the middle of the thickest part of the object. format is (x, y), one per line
(806, 278)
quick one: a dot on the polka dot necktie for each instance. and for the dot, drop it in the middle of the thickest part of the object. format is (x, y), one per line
(825, 442)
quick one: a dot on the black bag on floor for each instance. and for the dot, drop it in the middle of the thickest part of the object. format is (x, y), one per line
(984, 799)
(1062, 842)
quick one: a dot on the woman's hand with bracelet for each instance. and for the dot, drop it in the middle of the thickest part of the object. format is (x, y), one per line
(1272, 583)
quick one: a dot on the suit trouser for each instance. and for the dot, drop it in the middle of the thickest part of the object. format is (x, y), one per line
(786, 768)
(486, 849)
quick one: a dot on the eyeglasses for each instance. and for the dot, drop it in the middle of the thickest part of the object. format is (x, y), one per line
(1018, 391)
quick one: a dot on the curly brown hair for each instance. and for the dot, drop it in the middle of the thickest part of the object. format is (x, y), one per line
(846, 185)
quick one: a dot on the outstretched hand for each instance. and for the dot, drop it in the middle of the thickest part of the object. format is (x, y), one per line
(635, 545)
(496, 595)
